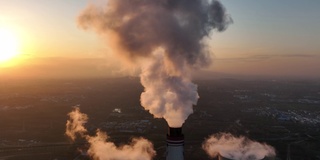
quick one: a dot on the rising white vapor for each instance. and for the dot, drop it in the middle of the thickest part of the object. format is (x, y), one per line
(237, 148)
(102, 149)
(75, 125)
(137, 30)
(167, 94)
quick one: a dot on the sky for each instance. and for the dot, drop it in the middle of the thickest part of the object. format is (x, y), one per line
(268, 38)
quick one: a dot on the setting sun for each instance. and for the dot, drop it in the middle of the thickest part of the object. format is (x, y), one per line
(9, 45)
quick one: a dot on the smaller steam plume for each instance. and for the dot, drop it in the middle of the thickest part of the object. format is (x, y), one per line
(239, 148)
(76, 123)
(100, 148)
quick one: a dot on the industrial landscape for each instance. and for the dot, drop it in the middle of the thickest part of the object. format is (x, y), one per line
(159, 79)
(283, 114)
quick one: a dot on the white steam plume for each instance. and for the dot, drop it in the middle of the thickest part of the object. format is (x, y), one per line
(75, 124)
(168, 35)
(101, 149)
(170, 97)
(237, 148)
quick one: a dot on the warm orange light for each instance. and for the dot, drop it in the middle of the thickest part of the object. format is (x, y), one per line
(9, 45)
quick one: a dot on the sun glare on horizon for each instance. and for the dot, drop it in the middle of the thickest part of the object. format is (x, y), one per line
(9, 45)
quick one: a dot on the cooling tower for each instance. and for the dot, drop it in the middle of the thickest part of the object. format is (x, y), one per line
(175, 143)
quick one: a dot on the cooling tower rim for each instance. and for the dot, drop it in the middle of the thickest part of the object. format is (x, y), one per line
(175, 142)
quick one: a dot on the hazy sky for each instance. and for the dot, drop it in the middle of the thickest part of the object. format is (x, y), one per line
(271, 37)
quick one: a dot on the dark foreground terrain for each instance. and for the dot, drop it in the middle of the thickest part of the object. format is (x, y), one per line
(33, 114)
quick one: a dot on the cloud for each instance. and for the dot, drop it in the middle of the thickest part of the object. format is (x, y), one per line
(64, 67)
(263, 57)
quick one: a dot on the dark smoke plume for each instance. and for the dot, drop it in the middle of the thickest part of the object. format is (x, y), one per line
(166, 39)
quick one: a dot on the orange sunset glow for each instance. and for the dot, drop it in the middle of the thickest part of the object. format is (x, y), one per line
(159, 79)
(39, 36)
(10, 45)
